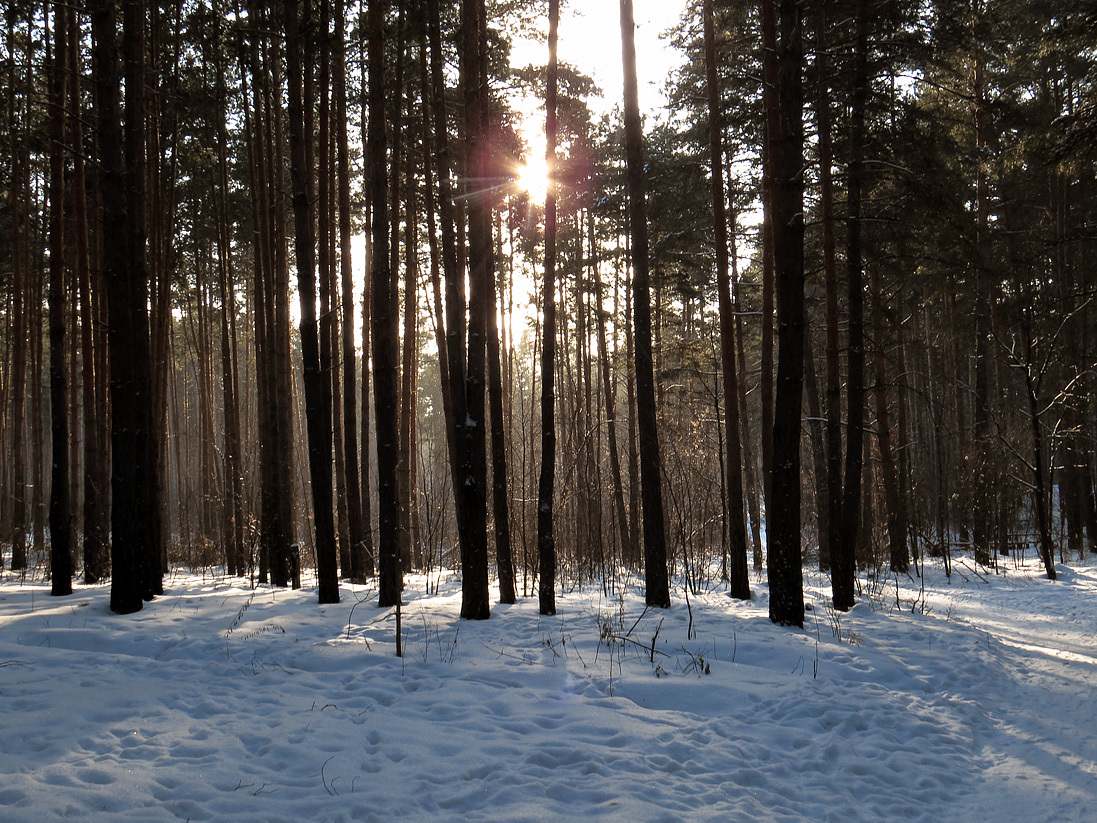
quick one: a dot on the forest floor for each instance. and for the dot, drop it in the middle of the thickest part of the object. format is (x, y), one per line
(973, 699)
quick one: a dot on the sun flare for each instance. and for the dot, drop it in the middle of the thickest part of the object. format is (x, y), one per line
(533, 178)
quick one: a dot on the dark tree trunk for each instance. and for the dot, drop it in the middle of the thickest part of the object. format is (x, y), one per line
(546, 543)
(771, 130)
(148, 499)
(474, 580)
(783, 515)
(355, 525)
(499, 477)
(96, 501)
(384, 322)
(409, 384)
(233, 504)
(126, 543)
(893, 500)
(18, 373)
(430, 140)
(738, 579)
(749, 463)
(844, 560)
(316, 383)
(655, 548)
(830, 540)
(60, 508)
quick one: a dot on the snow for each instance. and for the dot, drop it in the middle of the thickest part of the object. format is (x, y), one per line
(971, 701)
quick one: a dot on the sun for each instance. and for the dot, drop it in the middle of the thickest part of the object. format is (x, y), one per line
(533, 178)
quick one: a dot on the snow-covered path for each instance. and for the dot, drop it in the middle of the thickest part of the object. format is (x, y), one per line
(221, 703)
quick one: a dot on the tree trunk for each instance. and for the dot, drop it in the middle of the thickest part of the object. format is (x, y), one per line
(409, 382)
(546, 543)
(893, 500)
(316, 383)
(125, 595)
(60, 501)
(95, 540)
(384, 322)
(783, 516)
(738, 579)
(474, 580)
(19, 324)
(655, 549)
(771, 131)
(355, 526)
(844, 562)
(148, 499)
(610, 400)
(829, 545)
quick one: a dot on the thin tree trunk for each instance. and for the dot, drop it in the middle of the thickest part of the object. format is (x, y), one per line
(844, 559)
(19, 323)
(546, 542)
(749, 463)
(738, 580)
(655, 549)
(829, 546)
(610, 400)
(893, 499)
(384, 322)
(60, 508)
(500, 476)
(771, 132)
(355, 525)
(316, 384)
(409, 383)
(95, 547)
(326, 281)
(230, 391)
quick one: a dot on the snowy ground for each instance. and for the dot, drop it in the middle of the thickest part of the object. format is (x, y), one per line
(976, 702)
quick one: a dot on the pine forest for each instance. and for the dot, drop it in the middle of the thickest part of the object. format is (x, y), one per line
(353, 291)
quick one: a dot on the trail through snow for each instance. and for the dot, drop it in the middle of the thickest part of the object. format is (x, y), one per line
(218, 702)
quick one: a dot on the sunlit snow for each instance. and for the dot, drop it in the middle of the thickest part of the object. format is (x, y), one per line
(972, 702)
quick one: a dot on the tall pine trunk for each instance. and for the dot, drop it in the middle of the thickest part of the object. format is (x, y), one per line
(316, 384)
(384, 321)
(738, 579)
(844, 559)
(60, 508)
(546, 542)
(787, 150)
(355, 525)
(474, 580)
(655, 549)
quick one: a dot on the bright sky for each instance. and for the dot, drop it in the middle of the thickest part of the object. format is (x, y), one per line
(590, 39)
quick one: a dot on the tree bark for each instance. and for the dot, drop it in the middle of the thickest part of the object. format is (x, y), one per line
(738, 579)
(384, 322)
(783, 516)
(474, 581)
(355, 523)
(60, 508)
(316, 383)
(546, 542)
(19, 323)
(893, 500)
(655, 550)
(844, 560)
(125, 597)
(771, 131)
